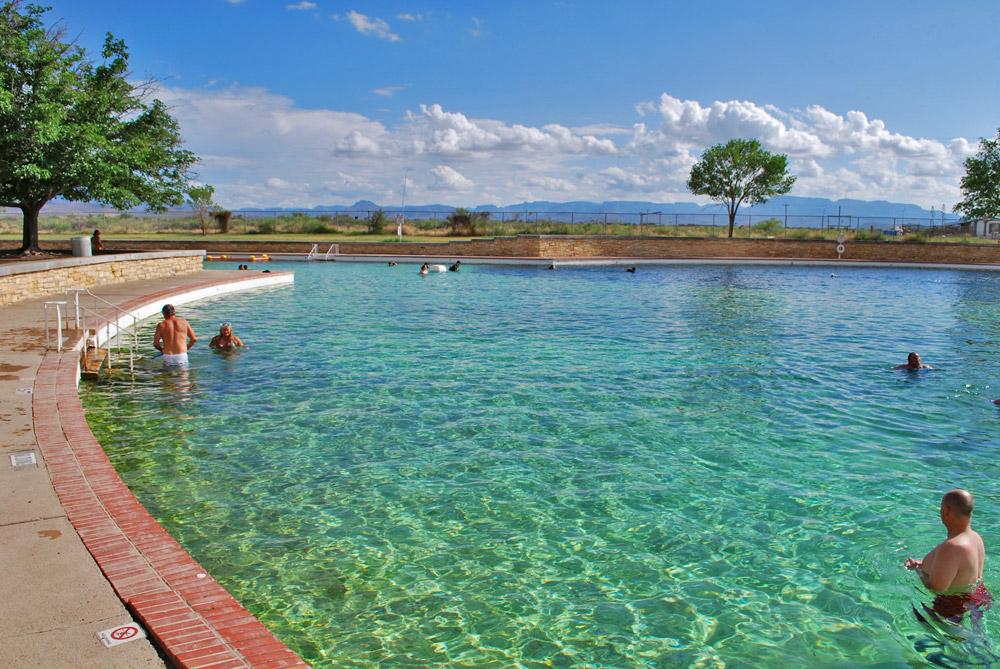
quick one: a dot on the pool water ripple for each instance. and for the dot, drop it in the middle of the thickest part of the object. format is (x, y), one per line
(517, 467)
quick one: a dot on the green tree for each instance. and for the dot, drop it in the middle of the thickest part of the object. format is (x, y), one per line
(376, 222)
(981, 183)
(77, 130)
(740, 171)
(200, 201)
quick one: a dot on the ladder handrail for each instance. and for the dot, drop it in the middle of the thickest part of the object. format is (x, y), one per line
(112, 325)
(334, 248)
(59, 328)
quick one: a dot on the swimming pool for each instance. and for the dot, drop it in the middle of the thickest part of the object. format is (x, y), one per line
(708, 466)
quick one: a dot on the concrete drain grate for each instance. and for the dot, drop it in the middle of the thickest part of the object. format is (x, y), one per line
(23, 460)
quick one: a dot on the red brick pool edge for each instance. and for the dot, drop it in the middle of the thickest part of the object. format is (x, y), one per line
(190, 617)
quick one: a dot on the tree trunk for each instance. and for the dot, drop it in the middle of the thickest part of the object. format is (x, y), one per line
(29, 243)
(732, 221)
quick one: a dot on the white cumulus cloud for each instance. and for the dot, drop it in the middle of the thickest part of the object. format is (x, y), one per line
(371, 26)
(553, 184)
(446, 178)
(261, 149)
(387, 91)
(837, 154)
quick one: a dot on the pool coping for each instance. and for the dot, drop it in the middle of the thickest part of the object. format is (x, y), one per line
(605, 261)
(189, 616)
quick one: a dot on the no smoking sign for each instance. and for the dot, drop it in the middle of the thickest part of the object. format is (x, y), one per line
(121, 634)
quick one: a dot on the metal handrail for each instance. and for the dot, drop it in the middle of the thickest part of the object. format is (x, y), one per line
(314, 253)
(59, 329)
(112, 325)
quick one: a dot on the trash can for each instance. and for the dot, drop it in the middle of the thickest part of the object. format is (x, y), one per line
(81, 247)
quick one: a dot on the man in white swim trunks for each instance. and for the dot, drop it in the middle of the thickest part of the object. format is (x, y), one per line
(173, 337)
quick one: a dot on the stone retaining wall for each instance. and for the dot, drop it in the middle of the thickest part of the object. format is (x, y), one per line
(559, 246)
(567, 246)
(23, 280)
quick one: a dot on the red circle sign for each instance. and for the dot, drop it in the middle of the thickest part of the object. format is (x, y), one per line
(123, 633)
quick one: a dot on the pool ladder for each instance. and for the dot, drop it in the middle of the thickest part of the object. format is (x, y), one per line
(121, 326)
(314, 254)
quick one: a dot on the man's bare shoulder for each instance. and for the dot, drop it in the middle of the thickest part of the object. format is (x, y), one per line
(965, 544)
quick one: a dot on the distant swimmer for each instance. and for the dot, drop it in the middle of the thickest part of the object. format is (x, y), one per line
(423, 269)
(392, 264)
(551, 267)
(173, 337)
(954, 568)
(454, 268)
(631, 269)
(913, 363)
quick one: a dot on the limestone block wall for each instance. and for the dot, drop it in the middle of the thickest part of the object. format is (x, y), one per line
(560, 246)
(23, 280)
(710, 247)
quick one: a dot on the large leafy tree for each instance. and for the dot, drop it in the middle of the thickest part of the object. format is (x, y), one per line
(740, 171)
(79, 130)
(981, 183)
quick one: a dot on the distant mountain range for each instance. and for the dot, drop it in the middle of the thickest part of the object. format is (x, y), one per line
(796, 206)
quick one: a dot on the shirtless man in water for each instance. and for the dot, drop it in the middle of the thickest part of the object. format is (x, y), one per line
(954, 568)
(913, 363)
(173, 337)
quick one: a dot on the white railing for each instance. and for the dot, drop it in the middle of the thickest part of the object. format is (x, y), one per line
(314, 253)
(106, 320)
(59, 336)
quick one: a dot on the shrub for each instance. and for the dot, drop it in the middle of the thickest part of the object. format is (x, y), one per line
(318, 226)
(464, 223)
(265, 226)
(869, 236)
(222, 220)
(769, 227)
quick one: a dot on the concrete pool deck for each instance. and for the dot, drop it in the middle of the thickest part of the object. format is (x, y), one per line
(81, 555)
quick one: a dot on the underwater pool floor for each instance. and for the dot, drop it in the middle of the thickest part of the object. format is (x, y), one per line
(509, 466)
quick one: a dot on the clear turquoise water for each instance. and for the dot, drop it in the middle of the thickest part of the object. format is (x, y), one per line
(688, 466)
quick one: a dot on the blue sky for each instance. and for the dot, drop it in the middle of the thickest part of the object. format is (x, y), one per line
(315, 102)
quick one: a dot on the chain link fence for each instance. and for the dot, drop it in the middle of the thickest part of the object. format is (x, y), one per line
(502, 222)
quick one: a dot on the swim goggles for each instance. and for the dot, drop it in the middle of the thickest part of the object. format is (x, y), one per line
(227, 324)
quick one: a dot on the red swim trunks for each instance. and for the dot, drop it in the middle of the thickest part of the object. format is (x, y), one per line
(951, 606)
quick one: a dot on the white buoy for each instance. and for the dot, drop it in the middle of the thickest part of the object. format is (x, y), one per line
(437, 268)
